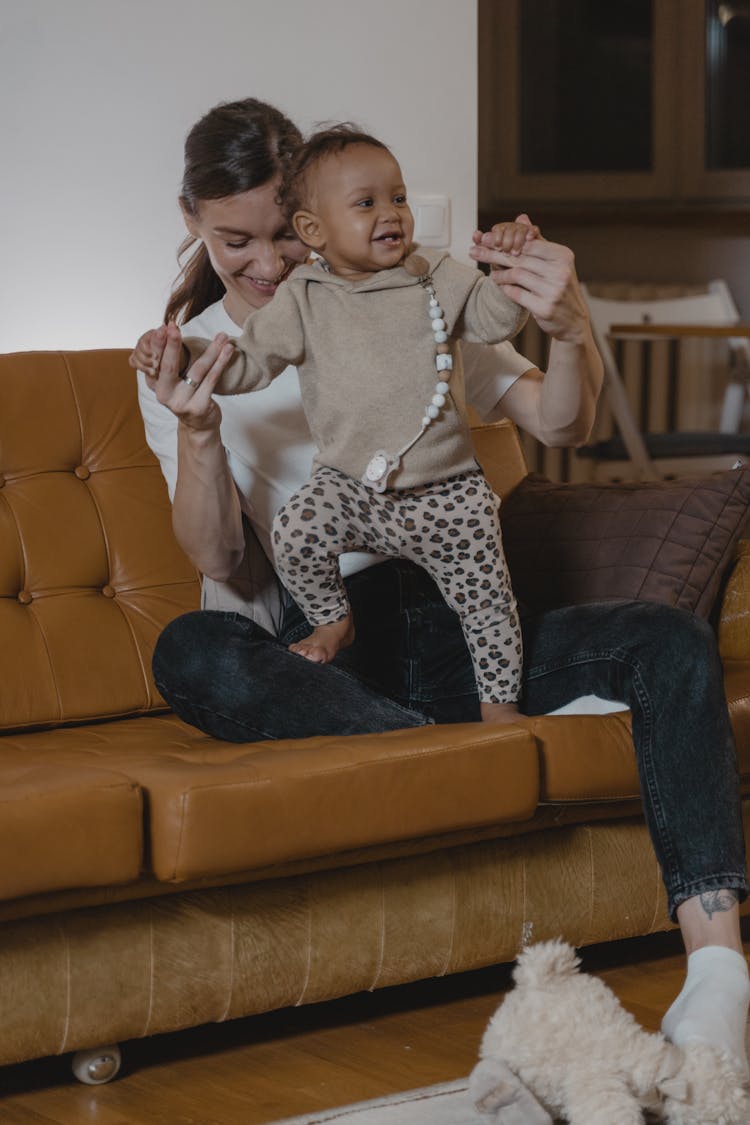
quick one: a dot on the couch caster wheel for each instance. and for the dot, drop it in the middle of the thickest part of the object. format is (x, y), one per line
(98, 1065)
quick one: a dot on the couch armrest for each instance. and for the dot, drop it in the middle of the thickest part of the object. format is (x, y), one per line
(499, 451)
(734, 620)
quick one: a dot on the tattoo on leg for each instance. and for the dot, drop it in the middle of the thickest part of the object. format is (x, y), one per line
(718, 902)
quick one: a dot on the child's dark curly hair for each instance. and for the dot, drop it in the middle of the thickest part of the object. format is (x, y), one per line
(294, 190)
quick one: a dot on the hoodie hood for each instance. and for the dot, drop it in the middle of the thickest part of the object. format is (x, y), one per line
(418, 263)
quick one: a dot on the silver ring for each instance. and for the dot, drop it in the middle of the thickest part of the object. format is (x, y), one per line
(192, 382)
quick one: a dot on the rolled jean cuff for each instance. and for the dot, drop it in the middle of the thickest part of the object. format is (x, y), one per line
(732, 881)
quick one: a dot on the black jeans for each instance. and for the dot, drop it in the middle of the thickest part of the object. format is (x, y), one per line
(409, 666)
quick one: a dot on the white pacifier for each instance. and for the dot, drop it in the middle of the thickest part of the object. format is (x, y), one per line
(379, 468)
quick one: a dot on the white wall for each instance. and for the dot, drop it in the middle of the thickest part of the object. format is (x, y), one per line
(96, 97)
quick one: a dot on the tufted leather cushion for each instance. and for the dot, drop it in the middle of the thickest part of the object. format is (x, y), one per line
(214, 808)
(734, 623)
(662, 541)
(89, 569)
(66, 826)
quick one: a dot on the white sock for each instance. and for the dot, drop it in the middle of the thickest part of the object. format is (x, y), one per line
(713, 1005)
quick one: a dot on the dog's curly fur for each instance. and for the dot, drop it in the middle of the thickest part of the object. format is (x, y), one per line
(562, 1044)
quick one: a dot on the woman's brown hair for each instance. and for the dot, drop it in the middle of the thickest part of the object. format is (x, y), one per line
(235, 147)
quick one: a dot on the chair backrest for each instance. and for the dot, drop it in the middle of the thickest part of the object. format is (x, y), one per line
(712, 307)
(715, 306)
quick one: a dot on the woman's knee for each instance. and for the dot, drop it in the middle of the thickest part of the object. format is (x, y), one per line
(177, 642)
(667, 628)
(672, 646)
(193, 648)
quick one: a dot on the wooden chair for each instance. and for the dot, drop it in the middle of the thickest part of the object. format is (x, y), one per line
(668, 324)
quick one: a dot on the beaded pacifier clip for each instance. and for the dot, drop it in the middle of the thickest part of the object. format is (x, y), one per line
(382, 463)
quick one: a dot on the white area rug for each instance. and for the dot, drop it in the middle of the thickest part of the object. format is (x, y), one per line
(446, 1104)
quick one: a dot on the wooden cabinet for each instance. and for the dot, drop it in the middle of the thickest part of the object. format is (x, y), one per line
(589, 102)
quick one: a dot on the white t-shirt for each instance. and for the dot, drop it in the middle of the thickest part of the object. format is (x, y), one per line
(267, 440)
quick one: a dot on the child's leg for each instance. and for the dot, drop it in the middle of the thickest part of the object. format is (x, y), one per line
(308, 537)
(321, 521)
(455, 533)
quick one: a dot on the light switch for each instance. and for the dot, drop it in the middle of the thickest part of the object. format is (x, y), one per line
(432, 220)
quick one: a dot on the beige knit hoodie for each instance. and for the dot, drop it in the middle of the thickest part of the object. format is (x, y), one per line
(366, 359)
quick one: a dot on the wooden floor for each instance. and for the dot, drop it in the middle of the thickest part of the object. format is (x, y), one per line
(260, 1069)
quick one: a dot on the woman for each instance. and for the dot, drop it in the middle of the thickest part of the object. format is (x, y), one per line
(230, 467)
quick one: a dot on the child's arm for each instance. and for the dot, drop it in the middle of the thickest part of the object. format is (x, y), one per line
(272, 338)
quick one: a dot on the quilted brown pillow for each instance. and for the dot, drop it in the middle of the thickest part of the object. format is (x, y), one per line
(661, 541)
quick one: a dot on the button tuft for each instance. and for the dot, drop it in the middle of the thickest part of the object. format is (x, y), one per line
(24, 597)
(108, 591)
(82, 472)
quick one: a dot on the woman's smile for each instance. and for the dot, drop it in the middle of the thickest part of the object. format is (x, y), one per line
(263, 285)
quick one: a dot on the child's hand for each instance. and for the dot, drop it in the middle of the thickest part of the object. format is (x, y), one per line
(510, 238)
(148, 351)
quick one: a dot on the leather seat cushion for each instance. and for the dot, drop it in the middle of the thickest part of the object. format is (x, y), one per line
(591, 758)
(64, 826)
(215, 808)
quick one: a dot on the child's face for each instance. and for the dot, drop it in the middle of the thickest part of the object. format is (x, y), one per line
(364, 223)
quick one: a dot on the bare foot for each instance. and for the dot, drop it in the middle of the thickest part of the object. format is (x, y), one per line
(325, 641)
(499, 712)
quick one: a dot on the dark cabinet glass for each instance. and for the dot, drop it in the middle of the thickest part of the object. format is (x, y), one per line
(727, 85)
(586, 89)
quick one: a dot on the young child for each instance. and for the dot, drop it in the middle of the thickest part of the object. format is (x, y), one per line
(369, 325)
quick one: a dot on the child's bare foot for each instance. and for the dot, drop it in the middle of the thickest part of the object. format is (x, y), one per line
(499, 712)
(325, 641)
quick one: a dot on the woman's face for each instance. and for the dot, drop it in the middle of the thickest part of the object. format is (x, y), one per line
(250, 245)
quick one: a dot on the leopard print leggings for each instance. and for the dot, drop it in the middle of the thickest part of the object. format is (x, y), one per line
(450, 528)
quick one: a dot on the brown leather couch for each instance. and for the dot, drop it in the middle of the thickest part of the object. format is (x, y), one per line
(153, 879)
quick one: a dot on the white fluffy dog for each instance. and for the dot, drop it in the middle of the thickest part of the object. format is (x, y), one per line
(562, 1045)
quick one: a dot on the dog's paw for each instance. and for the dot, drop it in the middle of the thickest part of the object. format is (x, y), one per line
(707, 1091)
(496, 1090)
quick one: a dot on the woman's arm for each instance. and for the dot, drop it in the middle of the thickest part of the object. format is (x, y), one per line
(557, 407)
(206, 514)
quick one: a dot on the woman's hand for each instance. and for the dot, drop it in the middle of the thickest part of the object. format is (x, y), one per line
(206, 513)
(542, 279)
(159, 353)
(558, 407)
